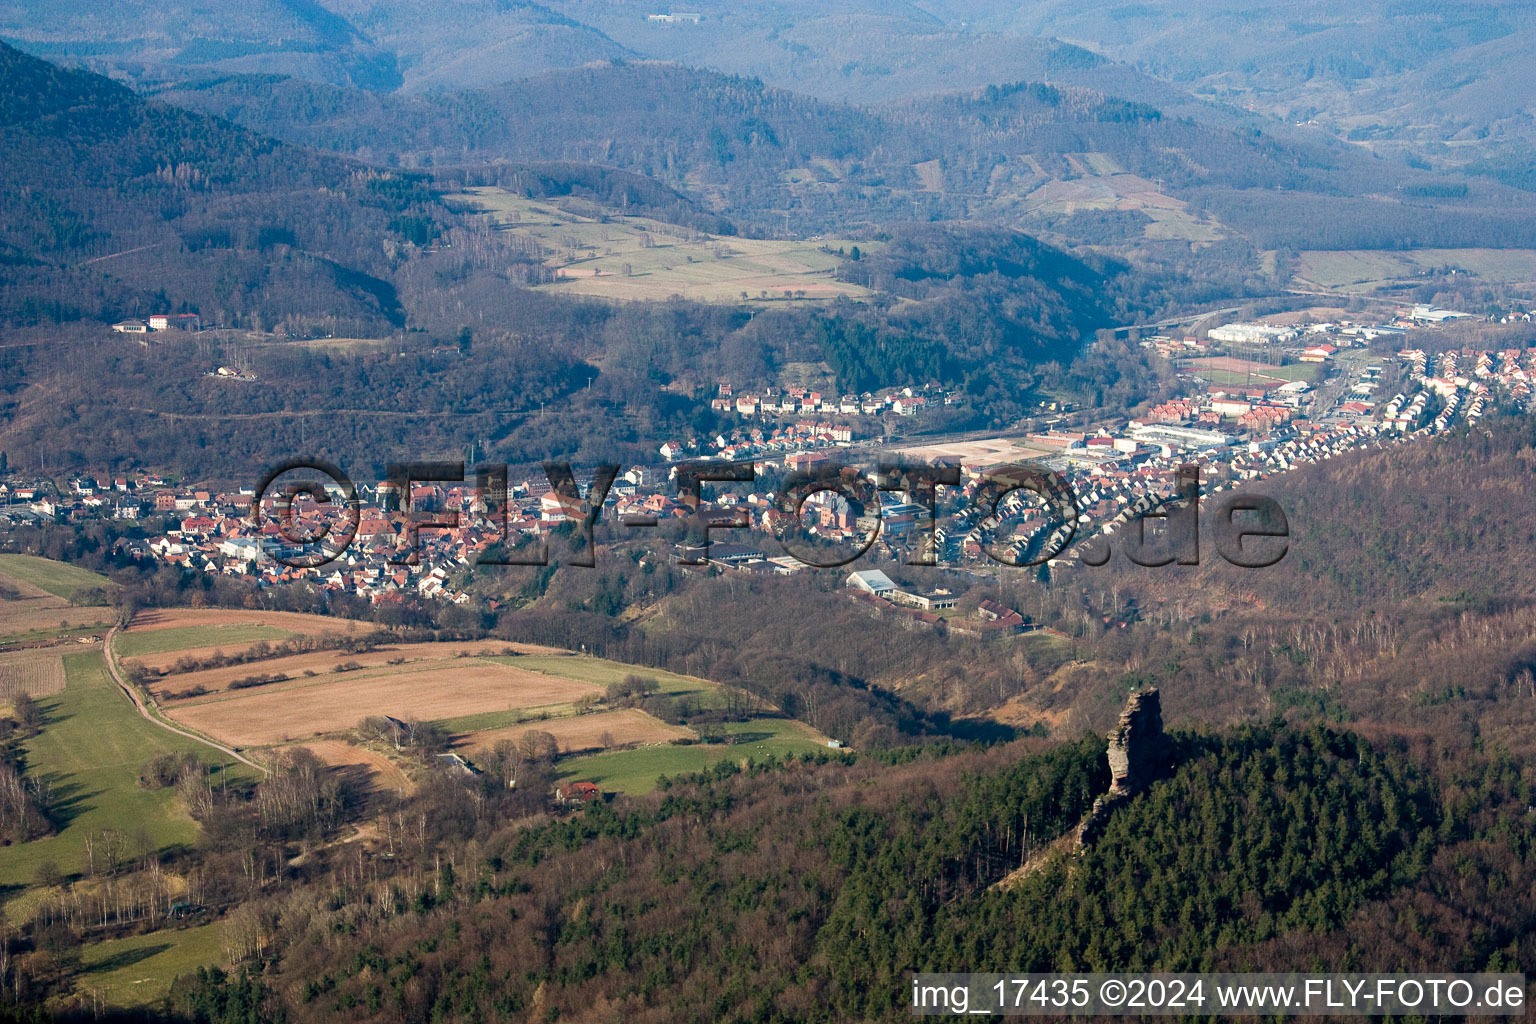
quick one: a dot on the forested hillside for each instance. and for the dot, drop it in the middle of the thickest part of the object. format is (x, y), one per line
(1443, 85)
(810, 892)
(526, 375)
(118, 206)
(862, 49)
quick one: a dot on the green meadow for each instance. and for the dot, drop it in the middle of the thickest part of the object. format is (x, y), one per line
(637, 771)
(183, 638)
(58, 578)
(139, 970)
(92, 747)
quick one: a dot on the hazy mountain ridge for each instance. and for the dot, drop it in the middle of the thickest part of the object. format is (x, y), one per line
(1417, 73)
(1450, 83)
(758, 153)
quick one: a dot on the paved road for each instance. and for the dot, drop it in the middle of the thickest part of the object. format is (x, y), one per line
(1192, 318)
(138, 702)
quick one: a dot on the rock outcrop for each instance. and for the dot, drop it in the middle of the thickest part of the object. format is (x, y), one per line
(1137, 744)
(1137, 755)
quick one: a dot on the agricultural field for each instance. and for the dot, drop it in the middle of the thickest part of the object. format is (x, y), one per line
(600, 253)
(638, 771)
(479, 692)
(159, 637)
(298, 709)
(167, 641)
(57, 578)
(1361, 270)
(37, 672)
(30, 613)
(601, 672)
(315, 663)
(92, 747)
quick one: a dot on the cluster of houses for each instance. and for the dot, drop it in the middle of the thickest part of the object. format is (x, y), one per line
(792, 401)
(1117, 469)
(744, 443)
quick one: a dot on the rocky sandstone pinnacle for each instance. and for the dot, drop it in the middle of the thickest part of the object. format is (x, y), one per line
(1136, 746)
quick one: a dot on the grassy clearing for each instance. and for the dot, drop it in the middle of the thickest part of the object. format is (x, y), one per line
(92, 747)
(57, 578)
(180, 638)
(576, 734)
(637, 771)
(1180, 225)
(603, 254)
(139, 970)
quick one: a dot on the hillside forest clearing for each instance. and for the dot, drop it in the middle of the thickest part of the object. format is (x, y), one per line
(604, 254)
(138, 970)
(640, 770)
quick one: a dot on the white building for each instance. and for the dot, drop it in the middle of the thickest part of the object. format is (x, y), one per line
(1250, 334)
(871, 581)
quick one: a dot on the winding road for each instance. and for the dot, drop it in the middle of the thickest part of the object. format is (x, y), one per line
(138, 702)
